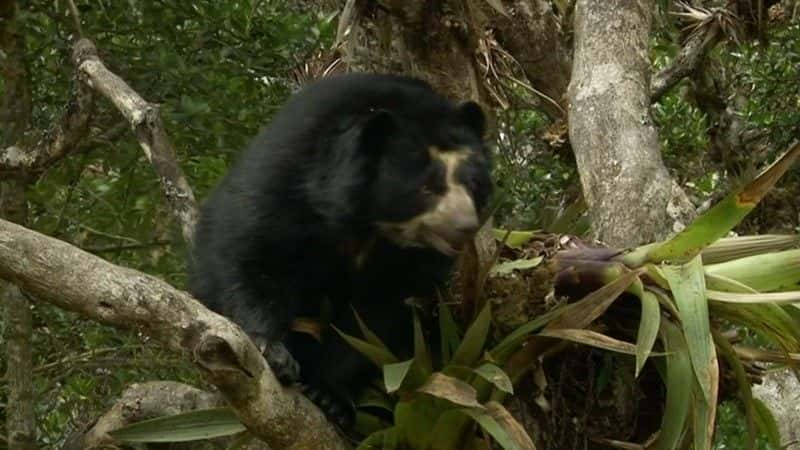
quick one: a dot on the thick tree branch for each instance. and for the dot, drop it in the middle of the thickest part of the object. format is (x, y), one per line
(631, 197)
(146, 122)
(685, 62)
(16, 161)
(78, 281)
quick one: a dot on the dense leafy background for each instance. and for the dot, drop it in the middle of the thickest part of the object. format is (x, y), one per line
(219, 69)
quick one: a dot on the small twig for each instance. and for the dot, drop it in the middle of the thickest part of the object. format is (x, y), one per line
(685, 62)
(76, 17)
(123, 247)
(145, 121)
(107, 234)
(347, 20)
(72, 279)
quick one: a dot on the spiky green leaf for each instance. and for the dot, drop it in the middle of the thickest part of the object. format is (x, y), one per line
(648, 328)
(450, 335)
(679, 388)
(721, 218)
(190, 426)
(687, 283)
(496, 376)
(395, 374)
(472, 346)
(379, 355)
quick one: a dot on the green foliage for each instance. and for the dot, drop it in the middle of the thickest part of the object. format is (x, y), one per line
(218, 69)
(432, 409)
(537, 181)
(769, 74)
(732, 430)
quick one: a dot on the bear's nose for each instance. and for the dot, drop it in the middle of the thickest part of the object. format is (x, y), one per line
(460, 230)
(466, 223)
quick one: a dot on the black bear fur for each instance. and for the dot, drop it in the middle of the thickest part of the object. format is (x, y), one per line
(301, 221)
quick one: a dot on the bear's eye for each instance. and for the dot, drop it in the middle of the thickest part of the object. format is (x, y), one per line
(427, 190)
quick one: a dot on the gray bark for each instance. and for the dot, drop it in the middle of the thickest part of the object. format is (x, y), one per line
(15, 114)
(72, 279)
(145, 121)
(685, 62)
(781, 392)
(20, 420)
(631, 197)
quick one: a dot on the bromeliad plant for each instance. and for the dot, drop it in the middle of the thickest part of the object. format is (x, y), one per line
(691, 290)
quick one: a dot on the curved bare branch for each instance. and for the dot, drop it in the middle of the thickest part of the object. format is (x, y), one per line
(72, 279)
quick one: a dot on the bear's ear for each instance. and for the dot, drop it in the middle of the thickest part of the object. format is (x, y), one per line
(376, 127)
(471, 114)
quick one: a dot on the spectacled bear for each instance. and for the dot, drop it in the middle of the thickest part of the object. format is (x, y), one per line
(359, 194)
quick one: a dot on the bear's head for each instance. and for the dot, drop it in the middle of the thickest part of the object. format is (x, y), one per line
(431, 180)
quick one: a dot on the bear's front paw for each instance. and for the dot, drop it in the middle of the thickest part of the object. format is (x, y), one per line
(338, 410)
(282, 363)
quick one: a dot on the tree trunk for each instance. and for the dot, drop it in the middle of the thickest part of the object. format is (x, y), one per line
(631, 197)
(15, 114)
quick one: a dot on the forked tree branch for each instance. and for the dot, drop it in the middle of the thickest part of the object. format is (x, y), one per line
(72, 279)
(146, 123)
(58, 142)
(685, 62)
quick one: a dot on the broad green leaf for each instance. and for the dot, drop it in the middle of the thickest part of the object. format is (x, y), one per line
(373, 397)
(395, 374)
(770, 297)
(770, 321)
(371, 337)
(649, 324)
(687, 283)
(491, 426)
(704, 412)
(515, 431)
(472, 346)
(421, 353)
(366, 424)
(766, 423)
(516, 337)
(591, 338)
(721, 218)
(190, 426)
(415, 417)
(679, 388)
(725, 284)
(508, 267)
(385, 439)
(764, 273)
(515, 239)
(379, 355)
(730, 248)
(450, 429)
(450, 335)
(496, 376)
(451, 389)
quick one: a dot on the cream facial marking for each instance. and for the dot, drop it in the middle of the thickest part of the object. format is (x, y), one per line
(453, 219)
